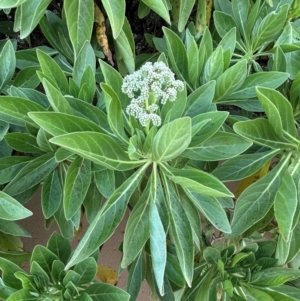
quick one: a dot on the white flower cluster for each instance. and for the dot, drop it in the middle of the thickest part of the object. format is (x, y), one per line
(152, 83)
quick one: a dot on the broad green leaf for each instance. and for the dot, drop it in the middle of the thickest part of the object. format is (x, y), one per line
(87, 270)
(11, 3)
(80, 19)
(285, 205)
(56, 99)
(125, 54)
(137, 230)
(211, 209)
(159, 7)
(14, 110)
(85, 58)
(216, 120)
(278, 110)
(258, 294)
(22, 294)
(177, 55)
(22, 142)
(59, 246)
(182, 236)
(283, 292)
(240, 14)
(193, 59)
(199, 181)
(105, 182)
(184, 12)
(66, 227)
(53, 72)
(51, 194)
(223, 22)
(10, 166)
(270, 79)
(99, 148)
(57, 123)
(172, 139)
(261, 132)
(7, 63)
(200, 100)
(135, 277)
(173, 271)
(107, 219)
(115, 10)
(231, 80)
(255, 202)
(219, 147)
(243, 166)
(31, 13)
(269, 27)
(27, 78)
(11, 209)
(294, 247)
(90, 112)
(77, 182)
(157, 245)
(105, 292)
(44, 258)
(13, 228)
(32, 174)
(274, 276)
(213, 67)
(114, 113)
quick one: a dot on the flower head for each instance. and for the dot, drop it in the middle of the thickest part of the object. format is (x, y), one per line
(150, 85)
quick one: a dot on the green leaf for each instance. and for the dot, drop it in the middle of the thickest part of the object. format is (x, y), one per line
(107, 219)
(13, 228)
(211, 209)
(66, 227)
(199, 181)
(14, 110)
(173, 271)
(240, 13)
(44, 258)
(285, 205)
(182, 236)
(137, 230)
(258, 294)
(53, 72)
(59, 246)
(261, 132)
(115, 10)
(184, 10)
(59, 123)
(31, 14)
(278, 110)
(77, 182)
(105, 182)
(157, 246)
(7, 63)
(269, 27)
(283, 292)
(85, 58)
(211, 255)
(12, 209)
(32, 174)
(87, 270)
(105, 292)
(27, 78)
(243, 166)
(52, 194)
(219, 147)
(172, 139)
(10, 3)
(274, 276)
(177, 55)
(231, 80)
(22, 142)
(99, 148)
(270, 79)
(80, 19)
(255, 201)
(213, 67)
(135, 277)
(159, 7)
(10, 166)
(223, 22)
(56, 99)
(200, 100)
(22, 294)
